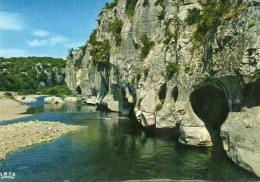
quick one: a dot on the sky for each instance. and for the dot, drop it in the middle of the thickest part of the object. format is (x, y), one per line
(46, 27)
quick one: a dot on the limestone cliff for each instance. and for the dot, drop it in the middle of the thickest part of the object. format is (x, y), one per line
(165, 86)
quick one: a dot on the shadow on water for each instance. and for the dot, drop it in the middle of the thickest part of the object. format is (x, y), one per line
(111, 148)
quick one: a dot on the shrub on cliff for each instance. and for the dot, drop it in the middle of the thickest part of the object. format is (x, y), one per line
(100, 54)
(58, 90)
(147, 45)
(130, 8)
(209, 18)
(193, 16)
(115, 28)
(171, 68)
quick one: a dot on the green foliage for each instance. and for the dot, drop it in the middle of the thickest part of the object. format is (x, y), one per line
(146, 71)
(193, 16)
(58, 90)
(19, 74)
(161, 14)
(42, 77)
(111, 5)
(171, 68)
(147, 46)
(130, 8)
(115, 28)
(167, 23)
(168, 36)
(145, 3)
(136, 77)
(101, 54)
(159, 2)
(93, 37)
(208, 20)
(158, 107)
(251, 24)
(8, 94)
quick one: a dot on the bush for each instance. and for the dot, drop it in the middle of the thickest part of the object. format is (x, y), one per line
(42, 77)
(8, 94)
(158, 107)
(159, 2)
(93, 37)
(136, 77)
(146, 71)
(147, 46)
(59, 91)
(208, 20)
(251, 24)
(171, 68)
(161, 14)
(130, 8)
(193, 16)
(145, 3)
(101, 54)
(115, 28)
(111, 5)
(168, 36)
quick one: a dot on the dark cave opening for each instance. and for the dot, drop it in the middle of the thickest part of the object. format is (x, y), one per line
(175, 93)
(124, 99)
(162, 93)
(211, 106)
(79, 89)
(251, 94)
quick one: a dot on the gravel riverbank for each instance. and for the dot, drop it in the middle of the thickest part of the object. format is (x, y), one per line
(24, 134)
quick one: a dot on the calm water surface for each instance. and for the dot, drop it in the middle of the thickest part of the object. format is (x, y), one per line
(113, 148)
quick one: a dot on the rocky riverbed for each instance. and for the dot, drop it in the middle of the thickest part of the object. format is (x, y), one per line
(24, 134)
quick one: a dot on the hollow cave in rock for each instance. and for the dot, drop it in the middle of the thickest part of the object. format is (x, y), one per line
(211, 106)
(125, 100)
(162, 93)
(175, 93)
(251, 94)
(79, 89)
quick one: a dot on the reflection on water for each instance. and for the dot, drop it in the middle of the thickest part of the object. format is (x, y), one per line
(112, 148)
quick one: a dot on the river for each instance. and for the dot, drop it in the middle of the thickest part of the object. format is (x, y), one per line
(113, 147)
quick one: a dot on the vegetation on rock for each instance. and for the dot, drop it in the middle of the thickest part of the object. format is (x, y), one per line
(100, 54)
(145, 3)
(130, 8)
(147, 45)
(171, 68)
(115, 28)
(209, 18)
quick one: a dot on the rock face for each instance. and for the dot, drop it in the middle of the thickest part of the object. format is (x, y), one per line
(229, 61)
(53, 100)
(241, 138)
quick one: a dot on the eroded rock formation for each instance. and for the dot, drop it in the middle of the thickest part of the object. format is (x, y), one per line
(160, 87)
